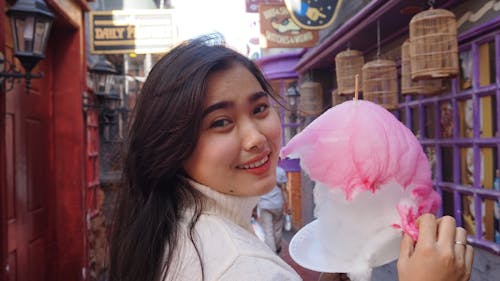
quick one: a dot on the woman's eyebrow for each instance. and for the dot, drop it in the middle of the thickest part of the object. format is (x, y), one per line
(227, 104)
(256, 96)
(216, 106)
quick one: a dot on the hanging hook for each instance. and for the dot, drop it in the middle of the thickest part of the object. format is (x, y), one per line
(431, 3)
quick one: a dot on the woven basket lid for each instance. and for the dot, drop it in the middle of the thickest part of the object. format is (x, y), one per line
(431, 14)
(348, 53)
(379, 63)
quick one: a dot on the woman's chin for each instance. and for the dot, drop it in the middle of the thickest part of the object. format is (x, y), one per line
(266, 189)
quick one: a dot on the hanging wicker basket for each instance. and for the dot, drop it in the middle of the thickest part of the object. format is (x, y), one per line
(421, 87)
(338, 99)
(311, 99)
(380, 83)
(347, 64)
(434, 45)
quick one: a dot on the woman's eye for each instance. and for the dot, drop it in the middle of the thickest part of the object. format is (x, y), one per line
(261, 108)
(219, 123)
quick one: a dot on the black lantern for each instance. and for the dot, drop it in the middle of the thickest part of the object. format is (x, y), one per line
(291, 116)
(31, 21)
(112, 102)
(108, 115)
(102, 75)
(292, 96)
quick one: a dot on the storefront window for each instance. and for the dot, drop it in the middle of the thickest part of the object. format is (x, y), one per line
(468, 214)
(488, 209)
(446, 120)
(430, 121)
(466, 118)
(448, 203)
(402, 115)
(447, 164)
(465, 58)
(491, 218)
(487, 72)
(461, 132)
(430, 152)
(467, 166)
(415, 121)
(488, 113)
(489, 162)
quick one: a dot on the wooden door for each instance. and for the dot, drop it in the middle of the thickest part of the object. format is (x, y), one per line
(28, 169)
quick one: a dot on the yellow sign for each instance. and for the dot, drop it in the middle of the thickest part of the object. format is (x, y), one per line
(278, 30)
(132, 31)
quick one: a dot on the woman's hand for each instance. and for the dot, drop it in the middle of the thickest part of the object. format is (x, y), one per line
(441, 252)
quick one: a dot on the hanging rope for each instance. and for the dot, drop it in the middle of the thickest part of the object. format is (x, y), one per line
(378, 39)
(431, 3)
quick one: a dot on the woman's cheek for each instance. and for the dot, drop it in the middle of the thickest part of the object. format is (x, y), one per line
(277, 128)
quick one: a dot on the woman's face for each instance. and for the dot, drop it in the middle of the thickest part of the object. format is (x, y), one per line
(237, 151)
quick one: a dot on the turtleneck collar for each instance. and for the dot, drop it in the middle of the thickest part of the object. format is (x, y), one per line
(235, 208)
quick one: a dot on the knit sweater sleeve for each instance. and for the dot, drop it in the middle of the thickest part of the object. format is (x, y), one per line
(263, 269)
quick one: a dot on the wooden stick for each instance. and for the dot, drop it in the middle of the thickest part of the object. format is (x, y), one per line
(356, 86)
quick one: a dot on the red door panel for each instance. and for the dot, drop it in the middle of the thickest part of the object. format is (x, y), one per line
(28, 169)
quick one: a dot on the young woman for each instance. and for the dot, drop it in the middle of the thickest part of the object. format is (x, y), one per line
(203, 146)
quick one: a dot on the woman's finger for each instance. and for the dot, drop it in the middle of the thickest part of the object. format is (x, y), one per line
(469, 257)
(427, 229)
(460, 245)
(446, 232)
(406, 247)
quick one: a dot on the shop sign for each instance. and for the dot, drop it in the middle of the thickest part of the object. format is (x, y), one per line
(278, 30)
(252, 6)
(132, 31)
(314, 15)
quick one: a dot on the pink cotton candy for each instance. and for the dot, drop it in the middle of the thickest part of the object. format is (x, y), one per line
(372, 179)
(358, 146)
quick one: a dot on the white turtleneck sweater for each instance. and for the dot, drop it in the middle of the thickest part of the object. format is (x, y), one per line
(228, 247)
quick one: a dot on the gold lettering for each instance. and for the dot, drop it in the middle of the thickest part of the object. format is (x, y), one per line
(109, 33)
(273, 12)
(130, 32)
(289, 40)
(119, 33)
(99, 33)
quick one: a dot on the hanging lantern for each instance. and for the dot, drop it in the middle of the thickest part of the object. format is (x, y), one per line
(434, 46)
(380, 83)
(421, 87)
(348, 63)
(311, 99)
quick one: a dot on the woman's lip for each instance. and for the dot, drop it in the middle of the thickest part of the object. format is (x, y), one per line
(256, 159)
(261, 169)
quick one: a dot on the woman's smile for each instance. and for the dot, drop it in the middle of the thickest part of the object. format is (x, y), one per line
(257, 167)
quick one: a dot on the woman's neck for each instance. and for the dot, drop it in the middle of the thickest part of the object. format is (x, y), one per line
(235, 208)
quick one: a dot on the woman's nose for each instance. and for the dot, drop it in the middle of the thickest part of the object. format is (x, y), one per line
(252, 137)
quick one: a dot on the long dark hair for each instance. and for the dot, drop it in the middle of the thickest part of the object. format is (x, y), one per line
(163, 133)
